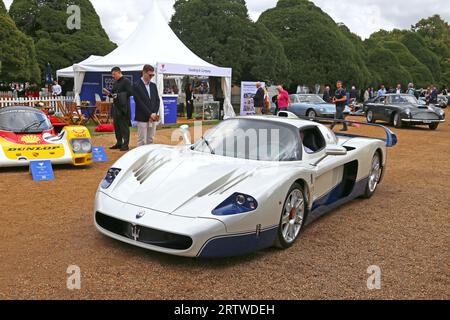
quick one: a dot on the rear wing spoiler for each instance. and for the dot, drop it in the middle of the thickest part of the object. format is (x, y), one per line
(391, 137)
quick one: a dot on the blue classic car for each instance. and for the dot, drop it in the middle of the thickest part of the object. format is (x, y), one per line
(312, 105)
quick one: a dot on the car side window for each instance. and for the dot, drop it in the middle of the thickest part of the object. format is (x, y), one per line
(312, 140)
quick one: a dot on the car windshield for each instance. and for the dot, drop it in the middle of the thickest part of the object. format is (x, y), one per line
(404, 99)
(311, 98)
(252, 139)
(24, 121)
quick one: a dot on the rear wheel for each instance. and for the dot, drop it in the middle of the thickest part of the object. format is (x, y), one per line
(396, 121)
(433, 126)
(292, 217)
(376, 170)
(370, 117)
(311, 114)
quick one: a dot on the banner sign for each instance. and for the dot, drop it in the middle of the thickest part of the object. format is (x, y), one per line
(170, 109)
(108, 80)
(210, 71)
(248, 91)
(99, 154)
(42, 170)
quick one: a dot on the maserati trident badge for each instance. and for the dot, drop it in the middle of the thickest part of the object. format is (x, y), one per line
(140, 214)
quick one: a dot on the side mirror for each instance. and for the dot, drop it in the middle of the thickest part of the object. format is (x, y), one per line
(335, 150)
(186, 134)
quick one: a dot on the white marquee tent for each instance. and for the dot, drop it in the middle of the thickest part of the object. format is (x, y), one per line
(155, 43)
(69, 72)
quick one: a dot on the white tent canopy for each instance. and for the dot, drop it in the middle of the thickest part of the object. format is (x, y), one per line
(155, 43)
(69, 72)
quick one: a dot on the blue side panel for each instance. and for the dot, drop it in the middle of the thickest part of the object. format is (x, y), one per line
(331, 201)
(238, 244)
(94, 82)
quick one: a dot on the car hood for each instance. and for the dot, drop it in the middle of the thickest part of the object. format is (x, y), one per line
(168, 180)
(418, 108)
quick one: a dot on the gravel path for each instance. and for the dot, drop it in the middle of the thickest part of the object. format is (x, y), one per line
(404, 229)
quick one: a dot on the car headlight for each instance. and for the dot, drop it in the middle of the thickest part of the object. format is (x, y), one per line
(111, 175)
(408, 112)
(237, 203)
(81, 145)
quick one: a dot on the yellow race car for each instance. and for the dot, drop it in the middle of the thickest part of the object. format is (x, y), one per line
(27, 134)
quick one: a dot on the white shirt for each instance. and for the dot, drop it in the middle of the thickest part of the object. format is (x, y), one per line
(56, 89)
(147, 86)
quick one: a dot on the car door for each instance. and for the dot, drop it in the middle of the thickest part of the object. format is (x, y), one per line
(389, 109)
(327, 172)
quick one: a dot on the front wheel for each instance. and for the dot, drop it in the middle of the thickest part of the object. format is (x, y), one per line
(311, 114)
(433, 126)
(397, 122)
(370, 117)
(376, 170)
(292, 217)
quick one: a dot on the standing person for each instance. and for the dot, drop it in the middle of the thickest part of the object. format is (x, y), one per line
(340, 99)
(283, 98)
(56, 89)
(382, 90)
(147, 102)
(433, 95)
(353, 94)
(411, 89)
(189, 100)
(258, 99)
(367, 94)
(398, 90)
(121, 110)
(326, 94)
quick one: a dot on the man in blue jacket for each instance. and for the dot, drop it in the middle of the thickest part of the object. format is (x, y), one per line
(147, 103)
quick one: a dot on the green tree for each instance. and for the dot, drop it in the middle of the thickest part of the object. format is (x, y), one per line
(221, 32)
(319, 51)
(386, 68)
(416, 45)
(2, 7)
(17, 53)
(436, 34)
(46, 22)
(420, 74)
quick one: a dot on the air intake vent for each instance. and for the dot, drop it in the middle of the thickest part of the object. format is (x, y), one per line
(143, 172)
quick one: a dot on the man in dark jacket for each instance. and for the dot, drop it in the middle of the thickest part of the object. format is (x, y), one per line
(121, 110)
(147, 102)
(258, 99)
(327, 94)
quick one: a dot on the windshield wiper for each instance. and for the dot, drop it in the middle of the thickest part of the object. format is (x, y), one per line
(35, 123)
(209, 146)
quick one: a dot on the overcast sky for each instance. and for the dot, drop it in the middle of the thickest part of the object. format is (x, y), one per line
(120, 17)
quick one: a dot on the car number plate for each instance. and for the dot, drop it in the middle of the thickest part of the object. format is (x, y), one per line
(427, 121)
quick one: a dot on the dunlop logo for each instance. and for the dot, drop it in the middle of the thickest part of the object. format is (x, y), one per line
(49, 148)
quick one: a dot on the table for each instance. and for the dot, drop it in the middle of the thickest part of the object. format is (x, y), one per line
(90, 113)
(103, 111)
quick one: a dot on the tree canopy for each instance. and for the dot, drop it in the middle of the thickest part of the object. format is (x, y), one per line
(221, 32)
(46, 22)
(17, 53)
(2, 7)
(319, 51)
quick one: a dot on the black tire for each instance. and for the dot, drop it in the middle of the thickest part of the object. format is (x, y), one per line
(396, 121)
(433, 126)
(280, 240)
(370, 117)
(311, 114)
(370, 189)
